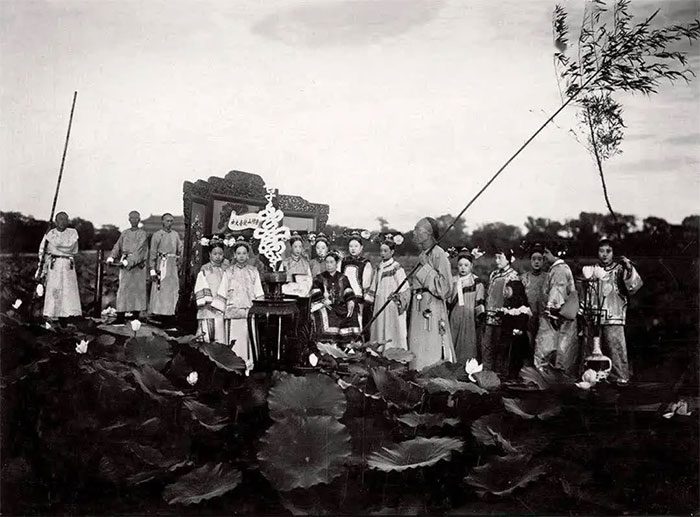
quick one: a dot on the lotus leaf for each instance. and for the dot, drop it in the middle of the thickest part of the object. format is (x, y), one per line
(313, 395)
(303, 452)
(546, 378)
(205, 415)
(488, 380)
(153, 351)
(438, 385)
(427, 420)
(411, 454)
(207, 482)
(332, 350)
(540, 407)
(223, 357)
(399, 355)
(445, 370)
(154, 384)
(509, 433)
(502, 475)
(396, 391)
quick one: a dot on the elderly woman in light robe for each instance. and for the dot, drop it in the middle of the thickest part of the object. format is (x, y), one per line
(61, 293)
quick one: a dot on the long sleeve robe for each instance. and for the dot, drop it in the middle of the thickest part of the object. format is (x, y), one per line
(562, 342)
(493, 345)
(61, 295)
(207, 285)
(330, 296)
(299, 277)
(533, 289)
(166, 251)
(429, 336)
(391, 323)
(132, 246)
(467, 300)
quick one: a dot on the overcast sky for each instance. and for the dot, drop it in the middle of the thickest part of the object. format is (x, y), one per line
(393, 108)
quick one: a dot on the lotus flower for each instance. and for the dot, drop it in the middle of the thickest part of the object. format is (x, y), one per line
(81, 347)
(17, 304)
(135, 325)
(47, 326)
(204, 241)
(365, 234)
(678, 408)
(192, 378)
(590, 376)
(398, 239)
(584, 385)
(473, 367)
(313, 359)
(40, 290)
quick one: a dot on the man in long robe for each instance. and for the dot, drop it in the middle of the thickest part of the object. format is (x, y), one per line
(164, 259)
(131, 254)
(617, 281)
(59, 248)
(556, 335)
(429, 336)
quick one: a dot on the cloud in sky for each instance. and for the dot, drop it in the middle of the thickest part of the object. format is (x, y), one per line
(378, 113)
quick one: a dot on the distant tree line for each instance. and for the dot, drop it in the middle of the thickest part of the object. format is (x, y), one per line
(652, 236)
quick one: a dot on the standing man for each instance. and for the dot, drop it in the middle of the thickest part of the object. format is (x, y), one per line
(557, 335)
(58, 249)
(131, 253)
(429, 336)
(166, 251)
(532, 281)
(617, 281)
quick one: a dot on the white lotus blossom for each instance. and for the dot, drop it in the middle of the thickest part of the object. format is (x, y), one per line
(473, 367)
(678, 408)
(313, 359)
(135, 325)
(584, 385)
(81, 347)
(17, 304)
(192, 378)
(47, 326)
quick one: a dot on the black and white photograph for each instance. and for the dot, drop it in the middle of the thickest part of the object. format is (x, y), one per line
(349, 257)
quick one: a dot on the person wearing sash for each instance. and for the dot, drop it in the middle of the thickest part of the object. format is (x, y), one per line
(297, 268)
(429, 335)
(467, 301)
(164, 259)
(557, 338)
(390, 326)
(358, 270)
(618, 280)
(494, 351)
(240, 285)
(59, 248)
(211, 321)
(130, 252)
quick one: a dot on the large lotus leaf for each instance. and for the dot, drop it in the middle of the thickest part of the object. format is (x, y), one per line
(154, 351)
(533, 407)
(509, 433)
(399, 355)
(223, 357)
(207, 482)
(332, 350)
(445, 370)
(488, 380)
(205, 415)
(440, 385)
(303, 452)
(154, 384)
(427, 420)
(545, 379)
(503, 474)
(411, 454)
(396, 391)
(313, 395)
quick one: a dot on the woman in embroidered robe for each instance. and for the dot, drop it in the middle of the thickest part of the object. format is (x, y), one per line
(467, 303)
(61, 294)
(358, 269)
(514, 324)
(390, 325)
(492, 353)
(318, 262)
(239, 286)
(298, 269)
(333, 304)
(211, 321)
